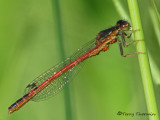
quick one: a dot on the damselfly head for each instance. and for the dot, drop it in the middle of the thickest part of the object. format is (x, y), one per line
(124, 25)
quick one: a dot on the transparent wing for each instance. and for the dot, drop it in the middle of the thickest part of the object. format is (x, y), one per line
(59, 83)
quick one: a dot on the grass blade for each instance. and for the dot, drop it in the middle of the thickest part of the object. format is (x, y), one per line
(143, 60)
(58, 23)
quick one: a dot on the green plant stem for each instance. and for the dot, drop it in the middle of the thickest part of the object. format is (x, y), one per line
(120, 9)
(67, 99)
(155, 17)
(143, 60)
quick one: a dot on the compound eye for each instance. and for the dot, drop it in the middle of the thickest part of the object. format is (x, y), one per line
(125, 26)
(119, 22)
(123, 23)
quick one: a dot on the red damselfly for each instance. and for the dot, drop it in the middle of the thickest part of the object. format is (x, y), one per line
(53, 80)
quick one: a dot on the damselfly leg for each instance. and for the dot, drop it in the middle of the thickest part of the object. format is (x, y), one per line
(125, 44)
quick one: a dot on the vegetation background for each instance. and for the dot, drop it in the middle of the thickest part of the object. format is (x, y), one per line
(37, 34)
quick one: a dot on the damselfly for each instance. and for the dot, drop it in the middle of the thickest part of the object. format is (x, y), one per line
(53, 80)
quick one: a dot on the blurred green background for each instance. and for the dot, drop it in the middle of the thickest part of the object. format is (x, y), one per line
(33, 36)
